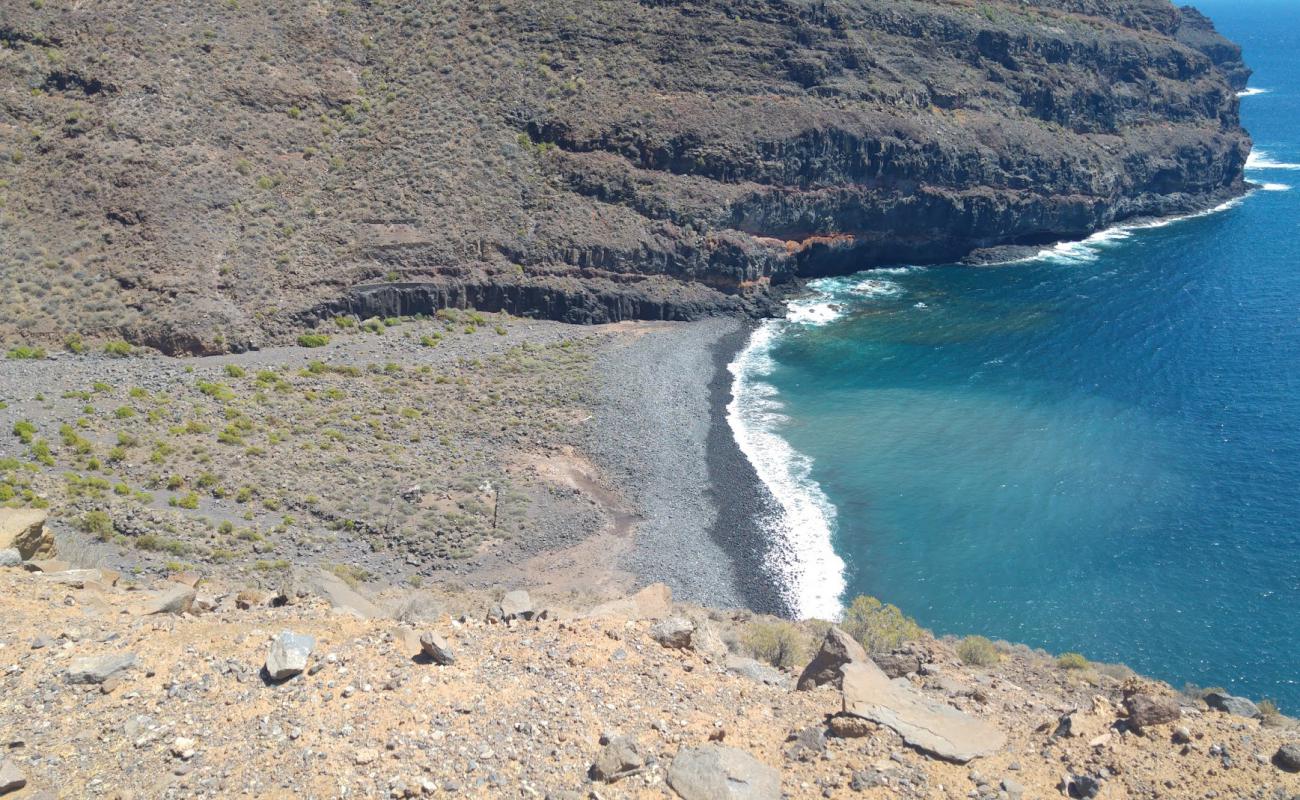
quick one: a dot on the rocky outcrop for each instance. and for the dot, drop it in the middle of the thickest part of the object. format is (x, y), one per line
(616, 166)
(923, 723)
(23, 529)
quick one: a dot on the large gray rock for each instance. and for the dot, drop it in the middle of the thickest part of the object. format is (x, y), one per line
(619, 759)
(11, 778)
(176, 599)
(10, 557)
(923, 723)
(714, 772)
(837, 649)
(1230, 704)
(289, 654)
(673, 632)
(97, 669)
(1287, 757)
(437, 649)
(516, 605)
(896, 665)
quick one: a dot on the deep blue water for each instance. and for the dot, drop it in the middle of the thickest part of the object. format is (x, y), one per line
(1097, 450)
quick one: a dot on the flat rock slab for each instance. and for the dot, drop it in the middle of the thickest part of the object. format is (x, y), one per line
(714, 772)
(97, 669)
(344, 598)
(178, 599)
(923, 723)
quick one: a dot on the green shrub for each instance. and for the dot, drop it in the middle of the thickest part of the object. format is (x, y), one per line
(190, 501)
(1072, 661)
(118, 349)
(976, 651)
(25, 430)
(97, 523)
(313, 340)
(124, 412)
(878, 627)
(74, 344)
(777, 642)
(27, 353)
(234, 371)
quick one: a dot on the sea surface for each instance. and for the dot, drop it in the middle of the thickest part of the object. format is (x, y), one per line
(1095, 450)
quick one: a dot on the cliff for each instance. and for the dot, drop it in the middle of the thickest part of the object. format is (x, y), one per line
(206, 176)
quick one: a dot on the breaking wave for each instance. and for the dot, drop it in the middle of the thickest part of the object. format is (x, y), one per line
(810, 574)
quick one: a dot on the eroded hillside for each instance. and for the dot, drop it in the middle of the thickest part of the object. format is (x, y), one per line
(205, 175)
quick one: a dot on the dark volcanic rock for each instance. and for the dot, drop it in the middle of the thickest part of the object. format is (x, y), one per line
(1145, 710)
(838, 649)
(590, 167)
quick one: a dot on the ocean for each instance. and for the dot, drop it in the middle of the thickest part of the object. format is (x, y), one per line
(1095, 450)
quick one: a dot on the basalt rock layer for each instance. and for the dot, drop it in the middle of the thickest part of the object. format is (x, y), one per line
(204, 176)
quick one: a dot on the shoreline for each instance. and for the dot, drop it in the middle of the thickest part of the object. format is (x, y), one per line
(661, 436)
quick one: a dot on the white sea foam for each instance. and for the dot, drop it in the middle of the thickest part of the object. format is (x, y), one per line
(1251, 92)
(1088, 250)
(810, 574)
(816, 310)
(876, 287)
(1275, 187)
(1260, 159)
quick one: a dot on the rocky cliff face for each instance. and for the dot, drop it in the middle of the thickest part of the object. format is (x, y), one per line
(203, 176)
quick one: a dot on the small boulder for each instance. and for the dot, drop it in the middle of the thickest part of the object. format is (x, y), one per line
(1287, 758)
(1145, 710)
(1230, 704)
(97, 669)
(437, 649)
(11, 778)
(897, 665)
(515, 605)
(849, 726)
(178, 599)
(10, 557)
(288, 655)
(23, 529)
(715, 772)
(755, 671)
(837, 649)
(673, 632)
(620, 758)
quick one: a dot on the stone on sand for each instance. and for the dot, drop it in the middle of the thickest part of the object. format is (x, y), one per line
(288, 655)
(437, 649)
(11, 778)
(715, 772)
(97, 669)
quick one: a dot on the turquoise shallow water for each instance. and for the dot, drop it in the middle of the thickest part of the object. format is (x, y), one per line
(1096, 450)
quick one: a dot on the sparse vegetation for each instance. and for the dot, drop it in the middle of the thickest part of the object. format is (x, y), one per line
(977, 651)
(778, 642)
(1072, 661)
(878, 627)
